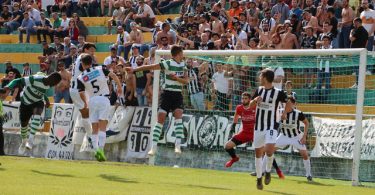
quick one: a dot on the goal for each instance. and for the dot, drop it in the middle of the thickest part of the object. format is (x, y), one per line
(332, 87)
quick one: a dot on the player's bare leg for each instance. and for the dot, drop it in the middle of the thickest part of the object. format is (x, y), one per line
(229, 147)
(258, 166)
(306, 163)
(179, 130)
(162, 114)
(269, 148)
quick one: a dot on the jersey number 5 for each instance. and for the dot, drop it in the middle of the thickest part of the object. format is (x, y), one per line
(95, 87)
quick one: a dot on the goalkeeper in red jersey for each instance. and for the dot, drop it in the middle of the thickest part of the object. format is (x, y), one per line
(246, 134)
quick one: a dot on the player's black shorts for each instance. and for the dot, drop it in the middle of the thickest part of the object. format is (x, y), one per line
(171, 100)
(26, 111)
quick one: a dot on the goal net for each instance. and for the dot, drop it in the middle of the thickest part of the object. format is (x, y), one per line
(333, 88)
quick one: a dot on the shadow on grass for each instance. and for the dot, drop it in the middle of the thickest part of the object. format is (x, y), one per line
(311, 183)
(196, 186)
(2, 169)
(52, 174)
(281, 193)
(116, 178)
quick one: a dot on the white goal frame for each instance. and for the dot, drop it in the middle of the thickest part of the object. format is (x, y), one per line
(306, 52)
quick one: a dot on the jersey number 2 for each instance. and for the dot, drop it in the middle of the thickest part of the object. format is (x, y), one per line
(95, 87)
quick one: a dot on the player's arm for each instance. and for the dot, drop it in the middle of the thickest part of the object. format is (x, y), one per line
(306, 128)
(235, 120)
(13, 84)
(186, 40)
(185, 80)
(46, 100)
(143, 68)
(118, 82)
(81, 89)
(256, 99)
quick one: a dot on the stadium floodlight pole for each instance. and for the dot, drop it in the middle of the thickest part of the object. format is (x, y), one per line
(358, 118)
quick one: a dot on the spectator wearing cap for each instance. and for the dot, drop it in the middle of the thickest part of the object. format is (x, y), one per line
(145, 15)
(252, 12)
(26, 70)
(114, 58)
(368, 21)
(136, 37)
(133, 57)
(27, 27)
(234, 11)
(310, 5)
(321, 12)
(42, 28)
(204, 24)
(347, 15)
(5, 15)
(62, 89)
(333, 23)
(217, 25)
(123, 42)
(282, 10)
(16, 20)
(310, 20)
(296, 10)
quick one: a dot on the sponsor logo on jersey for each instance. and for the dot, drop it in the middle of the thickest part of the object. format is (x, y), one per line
(91, 75)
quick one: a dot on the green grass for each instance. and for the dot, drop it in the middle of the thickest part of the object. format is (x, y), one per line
(41, 176)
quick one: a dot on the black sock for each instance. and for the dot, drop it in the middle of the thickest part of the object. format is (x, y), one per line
(231, 152)
(1, 141)
(274, 164)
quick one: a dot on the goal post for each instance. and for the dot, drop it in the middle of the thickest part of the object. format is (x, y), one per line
(358, 56)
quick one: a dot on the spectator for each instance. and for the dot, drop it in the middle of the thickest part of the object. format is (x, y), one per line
(129, 13)
(62, 89)
(106, 3)
(59, 6)
(194, 87)
(27, 27)
(267, 22)
(56, 24)
(114, 58)
(289, 90)
(217, 25)
(165, 6)
(48, 52)
(282, 10)
(73, 32)
(308, 42)
(154, 32)
(333, 23)
(66, 54)
(204, 24)
(130, 94)
(43, 28)
(133, 57)
(117, 19)
(221, 89)
(144, 15)
(16, 20)
(72, 56)
(194, 34)
(123, 42)
(252, 12)
(16, 92)
(141, 81)
(136, 37)
(310, 20)
(358, 37)
(34, 14)
(240, 34)
(5, 16)
(279, 77)
(309, 5)
(63, 29)
(81, 42)
(296, 10)
(26, 70)
(326, 32)
(165, 32)
(82, 29)
(205, 44)
(234, 11)
(347, 15)
(322, 14)
(288, 39)
(324, 65)
(368, 22)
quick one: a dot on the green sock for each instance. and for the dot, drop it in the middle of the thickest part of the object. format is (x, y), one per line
(35, 123)
(156, 133)
(24, 131)
(179, 129)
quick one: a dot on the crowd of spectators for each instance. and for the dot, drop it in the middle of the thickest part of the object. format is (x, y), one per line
(201, 25)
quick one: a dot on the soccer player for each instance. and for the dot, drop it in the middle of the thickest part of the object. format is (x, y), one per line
(247, 115)
(32, 96)
(291, 135)
(93, 82)
(267, 99)
(175, 76)
(88, 48)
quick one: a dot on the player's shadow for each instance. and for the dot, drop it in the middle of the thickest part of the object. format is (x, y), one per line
(310, 183)
(116, 178)
(199, 186)
(281, 193)
(2, 169)
(52, 174)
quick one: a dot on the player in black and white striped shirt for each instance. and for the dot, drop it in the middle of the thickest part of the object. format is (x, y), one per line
(267, 99)
(291, 134)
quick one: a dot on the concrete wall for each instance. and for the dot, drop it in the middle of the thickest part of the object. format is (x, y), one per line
(291, 164)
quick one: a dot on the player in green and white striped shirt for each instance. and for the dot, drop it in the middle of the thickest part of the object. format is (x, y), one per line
(175, 76)
(34, 92)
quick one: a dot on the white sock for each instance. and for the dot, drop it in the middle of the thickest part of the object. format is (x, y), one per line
(269, 163)
(264, 164)
(258, 167)
(154, 144)
(87, 125)
(102, 136)
(94, 139)
(31, 138)
(307, 166)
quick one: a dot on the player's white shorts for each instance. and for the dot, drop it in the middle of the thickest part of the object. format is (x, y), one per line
(99, 108)
(262, 138)
(283, 141)
(77, 100)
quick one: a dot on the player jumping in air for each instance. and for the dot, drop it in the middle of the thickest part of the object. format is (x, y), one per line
(171, 99)
(93, 82)
(32, 96)
(291, 135)
(247, 115)
(267, 99)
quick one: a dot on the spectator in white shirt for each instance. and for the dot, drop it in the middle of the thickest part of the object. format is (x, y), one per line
(221, 89)
(368, 22)
(145, 15)
(34, 14)
(122, 42)
(114, 58)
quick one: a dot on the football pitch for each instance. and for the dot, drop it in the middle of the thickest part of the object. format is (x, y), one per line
(41, 176)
